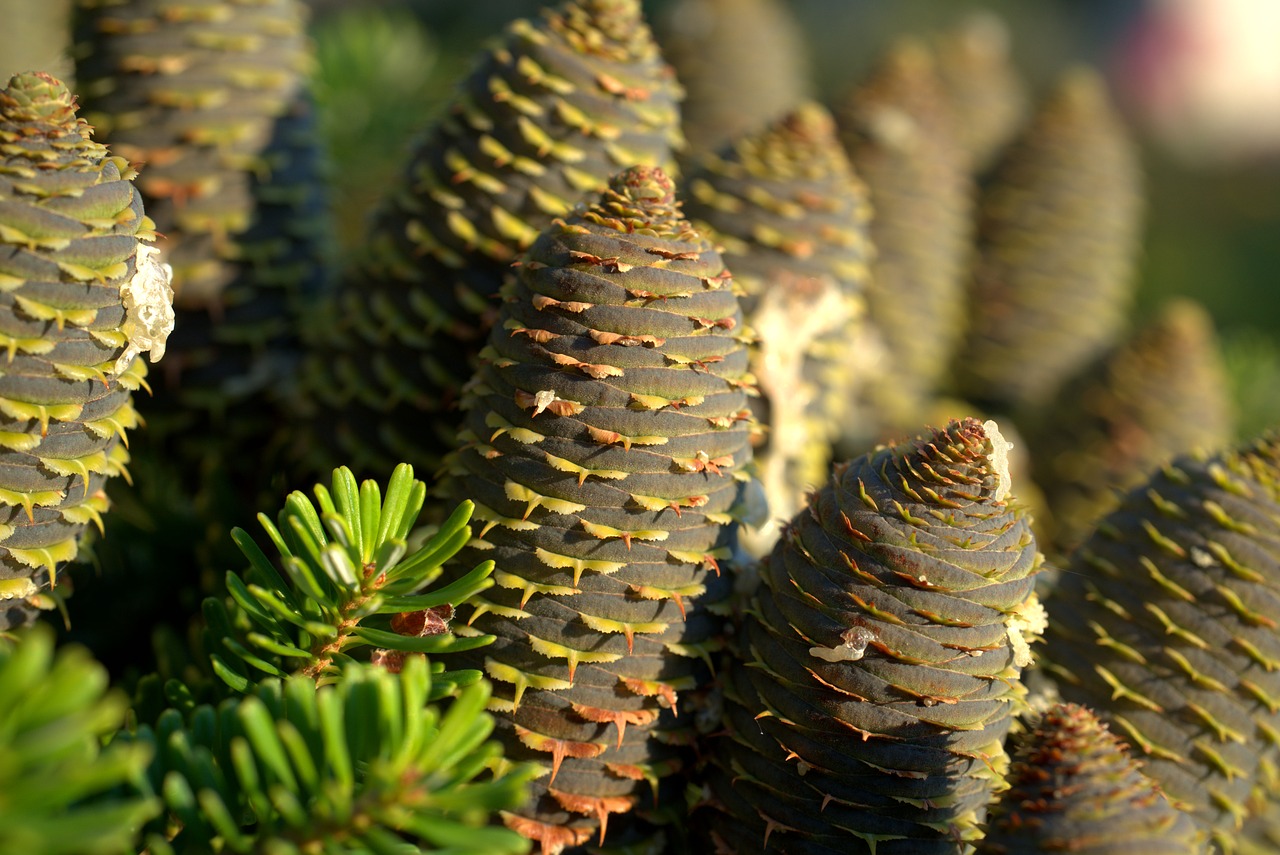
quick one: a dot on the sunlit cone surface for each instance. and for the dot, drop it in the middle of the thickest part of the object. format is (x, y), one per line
(898, 131)
(1166, 623)
(986, 95)
(71, 222)
(1162, 393)
(1075, 788)
(210, 97)
(791, 220)
(609, 433)
(742, 64)
(547, 116)
(880, 664)
(1057, 239)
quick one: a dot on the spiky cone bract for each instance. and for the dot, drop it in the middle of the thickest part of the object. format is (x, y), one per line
(1166, 623)
(73, 289)
(987, 97)
(550, 112)
(898, 131)
(742, 63)
(879, 665)
(791, 220)
(1057, 238)
(608, 441)
(1074, 787)
(1161, 393)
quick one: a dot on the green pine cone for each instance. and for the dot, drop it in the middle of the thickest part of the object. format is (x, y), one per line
(1074, 788)
(1057, 237)
(1162, 393)
(791, 221)
(546, 117)
(987, 97)
(880, 662)
(898, 130)
(1166, 623)
(742, 63)
(608, 432)
(81, 297)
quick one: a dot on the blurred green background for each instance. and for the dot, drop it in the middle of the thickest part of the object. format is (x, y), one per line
(385, 68)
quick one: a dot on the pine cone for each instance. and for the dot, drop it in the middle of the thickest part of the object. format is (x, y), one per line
(1074, 788)
(1057, 235)
(791, 220)
(898, 130)
(881, 659)
(609, 432)
(81, 298)
(1166, 624)
(1160, 394)
(742, 63)
(547, 116)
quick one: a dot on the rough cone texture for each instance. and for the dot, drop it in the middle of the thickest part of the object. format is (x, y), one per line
(987, 97)
(1167, 624)
(880, 662)
(899, 134)
(742, 64)
(1058, 231)
(791, 219)
(70, 225)
(1160, 394)
(1074, 788)
(547, 116)
(608, 429)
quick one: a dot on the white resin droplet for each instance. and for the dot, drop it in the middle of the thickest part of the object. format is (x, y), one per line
(148, 308)
(855, 644)
(999, 458)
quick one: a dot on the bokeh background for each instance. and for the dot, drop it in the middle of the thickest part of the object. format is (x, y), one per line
(1199, 80)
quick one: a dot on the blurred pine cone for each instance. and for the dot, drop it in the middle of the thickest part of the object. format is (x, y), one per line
(608, 436)
(78, 287)
(880, 662)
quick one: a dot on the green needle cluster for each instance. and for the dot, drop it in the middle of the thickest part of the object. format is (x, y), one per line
(879, 666)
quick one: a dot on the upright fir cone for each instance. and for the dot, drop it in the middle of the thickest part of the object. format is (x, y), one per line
(791, 220)
(880, 662)
(211, 97)
(900, 137)
(82, 296)
(1166, 623)
(1160, 394)
(742, 64)
(608, 430)
(1057, 238)
(987, 97)
(1074, 788)
(546, 117)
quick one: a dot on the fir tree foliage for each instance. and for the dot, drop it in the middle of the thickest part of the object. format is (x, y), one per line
(62, 792)
(347, 579)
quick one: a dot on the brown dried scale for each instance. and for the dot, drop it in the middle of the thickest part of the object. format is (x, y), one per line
(880, 663)
(550, 112)
(791, 220)
(1166, 623)
(607, 443)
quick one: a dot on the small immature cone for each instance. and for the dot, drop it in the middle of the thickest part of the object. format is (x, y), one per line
(553, 110)
(80, 297)
(608, 435)
(899, 133)
(1166, 623)
(1058, 232)
(880, 663)
(791, 220)
(1073, 787)
(742, 63)
(987, 97)
(1160, 394)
